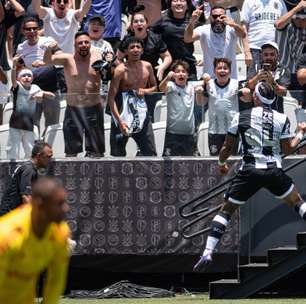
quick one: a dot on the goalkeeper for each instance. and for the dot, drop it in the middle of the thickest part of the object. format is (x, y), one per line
(34, 238)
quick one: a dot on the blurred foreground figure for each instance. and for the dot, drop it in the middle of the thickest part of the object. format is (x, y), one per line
(34, 238)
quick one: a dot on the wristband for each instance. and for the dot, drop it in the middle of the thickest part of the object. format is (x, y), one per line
(220, 163)
(299, 135)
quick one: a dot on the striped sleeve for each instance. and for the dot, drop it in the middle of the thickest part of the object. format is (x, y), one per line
(286, 130)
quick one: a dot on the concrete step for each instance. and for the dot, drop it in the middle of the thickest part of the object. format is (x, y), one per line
(218, 289)
(280, 254)
(249, 271)
(301, 240)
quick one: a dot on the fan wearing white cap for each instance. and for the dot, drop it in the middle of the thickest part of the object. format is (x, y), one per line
(25, 97)
(272, 72)
(265, 135)
(258, 18)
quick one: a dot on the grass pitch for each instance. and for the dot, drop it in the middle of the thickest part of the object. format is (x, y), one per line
(183, 299)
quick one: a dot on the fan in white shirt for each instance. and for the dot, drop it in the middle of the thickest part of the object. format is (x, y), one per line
(258, 18)
(218, 39)
(61, 22)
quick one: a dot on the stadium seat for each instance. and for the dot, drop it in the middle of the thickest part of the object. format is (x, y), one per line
(63, 105)
(107, 127)
(290, 107)
(107, 117)
(4, 131)
(54, 137)
(159, 129)
(131, 148)
(202, 142)
(241, 67)
(7, 112)
(5, 93)
(300, 114)
(160, 111)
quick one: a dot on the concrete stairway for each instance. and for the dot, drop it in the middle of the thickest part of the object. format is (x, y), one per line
(253, 278)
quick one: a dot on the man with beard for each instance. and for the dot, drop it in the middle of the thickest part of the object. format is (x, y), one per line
(273, 73)
(84, 112)
(258, 18)
(218, 39)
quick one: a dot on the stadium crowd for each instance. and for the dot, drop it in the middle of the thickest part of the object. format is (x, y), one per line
(111, 60)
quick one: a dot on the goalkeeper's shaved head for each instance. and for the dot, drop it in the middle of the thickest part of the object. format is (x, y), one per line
(49, 200)
(44, 187)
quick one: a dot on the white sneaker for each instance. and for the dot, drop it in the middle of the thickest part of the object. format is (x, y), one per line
(204, 261)
(72, 244)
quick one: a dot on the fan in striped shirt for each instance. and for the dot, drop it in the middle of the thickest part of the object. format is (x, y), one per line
(291, 35)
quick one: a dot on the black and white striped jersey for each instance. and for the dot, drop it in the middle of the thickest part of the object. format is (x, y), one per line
(261, 130)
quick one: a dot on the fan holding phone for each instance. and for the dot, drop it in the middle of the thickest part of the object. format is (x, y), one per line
(272, 72)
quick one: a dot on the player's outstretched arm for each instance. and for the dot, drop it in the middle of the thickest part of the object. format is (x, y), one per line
(225, 152)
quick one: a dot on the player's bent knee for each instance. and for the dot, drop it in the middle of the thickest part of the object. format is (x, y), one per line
(229, 207)
(293, 197)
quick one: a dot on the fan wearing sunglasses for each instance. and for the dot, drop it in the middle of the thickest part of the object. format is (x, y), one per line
(218, 39)
(61, 22)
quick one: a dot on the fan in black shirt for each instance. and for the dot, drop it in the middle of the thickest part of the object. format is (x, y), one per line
(172, 27)
(154, 46)
(19, 189)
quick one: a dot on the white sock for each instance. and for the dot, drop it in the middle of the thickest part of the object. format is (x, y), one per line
(211, 244)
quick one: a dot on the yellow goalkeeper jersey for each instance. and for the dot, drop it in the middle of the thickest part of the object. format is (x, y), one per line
(23, 257)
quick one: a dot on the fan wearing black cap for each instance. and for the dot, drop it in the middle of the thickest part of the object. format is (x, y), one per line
(265, 134)
(96, 26)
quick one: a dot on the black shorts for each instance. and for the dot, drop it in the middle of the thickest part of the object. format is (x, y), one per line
(144, 140)
(249, 180)
(179, 145)
(88, 121)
